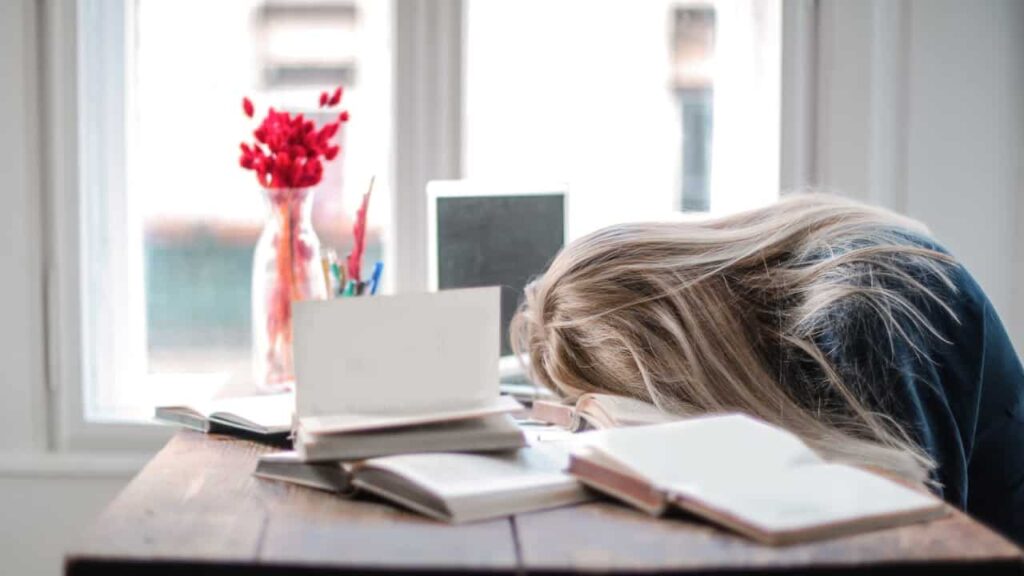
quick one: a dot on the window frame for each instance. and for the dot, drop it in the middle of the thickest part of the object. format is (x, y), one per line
(427, 60)
(68, 356)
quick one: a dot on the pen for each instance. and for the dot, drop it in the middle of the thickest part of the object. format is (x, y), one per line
(339, 278)
(375, 277)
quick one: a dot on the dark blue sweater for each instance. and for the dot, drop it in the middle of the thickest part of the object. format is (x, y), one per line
(963, 400)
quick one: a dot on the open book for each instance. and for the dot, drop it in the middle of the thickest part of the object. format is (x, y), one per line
(599, 411)
(746, 475)
(269, 415)
(398, 374)
(446, 486)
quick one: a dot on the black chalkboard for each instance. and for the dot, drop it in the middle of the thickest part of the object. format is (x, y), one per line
(498, 241)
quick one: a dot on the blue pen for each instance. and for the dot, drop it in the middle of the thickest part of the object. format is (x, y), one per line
(375, 277)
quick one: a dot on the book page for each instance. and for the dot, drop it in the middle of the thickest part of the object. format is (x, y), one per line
(806, 497)
(702, 450)
(454, 476)
(271, 411)
(609, 411)
(408, 353)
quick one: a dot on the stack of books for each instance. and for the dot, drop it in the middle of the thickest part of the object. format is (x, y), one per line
(356, 436)
(398, 396)
(410, 409)
(449, 486)
(436, 438)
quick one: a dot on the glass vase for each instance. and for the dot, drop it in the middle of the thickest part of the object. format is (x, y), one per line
(286, 268)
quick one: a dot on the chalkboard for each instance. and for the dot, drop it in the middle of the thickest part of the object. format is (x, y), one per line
(498, 241)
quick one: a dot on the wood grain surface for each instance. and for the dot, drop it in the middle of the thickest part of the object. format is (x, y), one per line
(197, 509)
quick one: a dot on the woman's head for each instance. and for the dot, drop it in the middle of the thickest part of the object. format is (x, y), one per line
(720, 315)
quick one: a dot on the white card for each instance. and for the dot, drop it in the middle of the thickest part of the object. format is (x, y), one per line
(403, 354)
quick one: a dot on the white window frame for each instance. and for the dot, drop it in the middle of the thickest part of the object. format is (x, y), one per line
(427, 47)
(427, 128)
(71, 356)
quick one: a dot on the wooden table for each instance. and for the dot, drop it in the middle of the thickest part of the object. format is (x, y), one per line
(197, 509)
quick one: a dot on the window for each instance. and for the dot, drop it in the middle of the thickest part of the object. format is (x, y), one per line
(644, 108)
(171, 225)
(693, 32)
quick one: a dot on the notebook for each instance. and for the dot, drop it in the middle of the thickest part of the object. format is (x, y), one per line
(485, 433)
(344, 423)
(599, 411)
(269, 415)
(450, 487)
(470, 487)
(409, 354)
(745, 475)
(400, 374)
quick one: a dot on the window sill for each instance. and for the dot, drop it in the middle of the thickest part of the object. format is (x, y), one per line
(115, 436)
(72, 464)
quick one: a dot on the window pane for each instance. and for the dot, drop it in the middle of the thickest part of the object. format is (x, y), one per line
(644, 108)
(190, 206)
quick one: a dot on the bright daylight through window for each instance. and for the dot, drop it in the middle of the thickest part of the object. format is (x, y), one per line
(645, 110)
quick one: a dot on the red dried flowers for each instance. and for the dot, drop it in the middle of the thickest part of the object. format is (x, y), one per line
(288, 149)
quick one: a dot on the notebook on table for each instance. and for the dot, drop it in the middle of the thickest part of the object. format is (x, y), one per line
(472, 434)
(267, 416)
(398, 374)
(747, 476)
(451, 487)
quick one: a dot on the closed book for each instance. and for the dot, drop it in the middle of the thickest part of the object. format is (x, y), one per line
(485, 433)
(289, 467)
(747, 476)
(344, 422)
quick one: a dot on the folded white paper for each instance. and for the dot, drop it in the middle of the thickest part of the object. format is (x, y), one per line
(403, 354)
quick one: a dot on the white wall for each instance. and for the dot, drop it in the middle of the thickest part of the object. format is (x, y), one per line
(45, 498)
(966, 138)
(22, 382)
(42, 515)
(921, 109)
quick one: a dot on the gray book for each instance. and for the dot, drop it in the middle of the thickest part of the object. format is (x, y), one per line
(289, 467)
(486, 433)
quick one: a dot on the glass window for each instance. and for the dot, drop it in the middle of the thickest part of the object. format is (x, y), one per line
(188, 215)
(644, 108)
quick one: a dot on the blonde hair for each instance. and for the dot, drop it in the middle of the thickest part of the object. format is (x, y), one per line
(728, 314)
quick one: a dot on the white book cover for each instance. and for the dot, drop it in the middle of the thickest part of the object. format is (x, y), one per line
(409, 354)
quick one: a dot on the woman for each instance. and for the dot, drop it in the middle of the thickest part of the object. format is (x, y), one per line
(842, 323)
